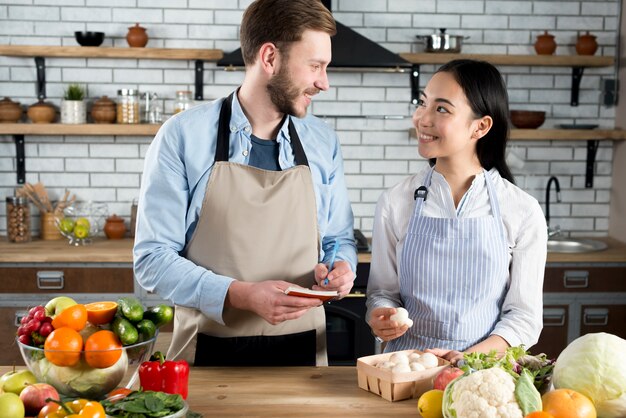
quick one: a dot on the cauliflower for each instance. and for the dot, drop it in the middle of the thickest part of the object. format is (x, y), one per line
(490, 393)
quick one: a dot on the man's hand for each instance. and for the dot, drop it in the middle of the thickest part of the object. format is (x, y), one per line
(268, 300)
(385, 328)
(340, 278)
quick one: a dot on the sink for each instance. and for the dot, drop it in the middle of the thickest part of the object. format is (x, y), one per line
(572, 245)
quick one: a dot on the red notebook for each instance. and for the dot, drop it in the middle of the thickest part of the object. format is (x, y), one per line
(322, 295)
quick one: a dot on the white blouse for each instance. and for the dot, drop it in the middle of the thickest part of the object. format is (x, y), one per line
(521, 319)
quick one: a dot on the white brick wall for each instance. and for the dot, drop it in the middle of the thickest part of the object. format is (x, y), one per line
(378, 153)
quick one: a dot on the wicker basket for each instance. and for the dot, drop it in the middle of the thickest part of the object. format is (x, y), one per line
(395, 386)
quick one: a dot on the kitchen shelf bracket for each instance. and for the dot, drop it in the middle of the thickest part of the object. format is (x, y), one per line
(592, 148)
(20, 158)
(577, 75)
(415, 83)
(199, 94)
(40, 64)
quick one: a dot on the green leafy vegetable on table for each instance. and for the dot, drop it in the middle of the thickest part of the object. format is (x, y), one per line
(144, 404)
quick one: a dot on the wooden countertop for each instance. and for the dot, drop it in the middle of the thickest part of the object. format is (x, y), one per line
(286, 392)
(120, 251)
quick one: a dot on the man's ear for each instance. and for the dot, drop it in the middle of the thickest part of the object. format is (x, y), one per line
(268, 58)
(482, 127)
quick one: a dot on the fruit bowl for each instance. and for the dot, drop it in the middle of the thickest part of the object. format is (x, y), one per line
(81, 222)
(81, 379)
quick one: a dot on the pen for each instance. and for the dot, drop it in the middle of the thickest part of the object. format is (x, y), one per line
(331, 263)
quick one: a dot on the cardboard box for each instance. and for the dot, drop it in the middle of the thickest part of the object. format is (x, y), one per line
(395, 386)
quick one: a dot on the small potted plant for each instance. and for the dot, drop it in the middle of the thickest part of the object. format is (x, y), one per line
(73, 107)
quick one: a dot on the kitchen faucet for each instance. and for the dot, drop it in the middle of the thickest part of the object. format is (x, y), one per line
(557, 230)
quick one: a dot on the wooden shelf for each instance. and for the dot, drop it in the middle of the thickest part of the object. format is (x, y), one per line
(562, 134)
(539, 60)
(83, 129)
(111, 52)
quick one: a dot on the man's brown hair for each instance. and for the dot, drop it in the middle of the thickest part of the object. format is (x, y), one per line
(281, 22)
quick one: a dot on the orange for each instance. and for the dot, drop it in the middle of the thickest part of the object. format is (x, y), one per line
(74, 317)
(567, 403)
(538, 414)
(102, 349)
(99, 313)
(63, 347)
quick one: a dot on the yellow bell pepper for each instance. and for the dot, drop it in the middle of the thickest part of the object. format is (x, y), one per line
(79, 408)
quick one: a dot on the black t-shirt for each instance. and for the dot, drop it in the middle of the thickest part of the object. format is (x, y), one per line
(264, 154)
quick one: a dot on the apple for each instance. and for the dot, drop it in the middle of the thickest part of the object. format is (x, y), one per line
(34, 397)
(57, 305)
(11, 406)
(16, 381)
(446, 376)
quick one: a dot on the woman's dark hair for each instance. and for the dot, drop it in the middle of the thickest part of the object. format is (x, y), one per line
(486, 93)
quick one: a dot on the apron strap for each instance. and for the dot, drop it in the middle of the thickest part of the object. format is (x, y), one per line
(223, 136)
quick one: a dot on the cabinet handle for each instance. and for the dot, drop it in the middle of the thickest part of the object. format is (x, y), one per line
(575, 279)
(596, 317)
(553, 317)
(50, 280)
(18, 317)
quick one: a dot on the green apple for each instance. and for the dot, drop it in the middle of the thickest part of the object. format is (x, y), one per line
(11, 406)
(57, 305)
(66, 225)
(16, 381)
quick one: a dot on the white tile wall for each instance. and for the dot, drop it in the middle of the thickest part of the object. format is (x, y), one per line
(378, 153)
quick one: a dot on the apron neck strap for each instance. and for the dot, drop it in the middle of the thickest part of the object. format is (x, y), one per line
(223, 135)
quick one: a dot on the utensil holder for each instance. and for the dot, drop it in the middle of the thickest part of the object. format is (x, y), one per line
(49, 230)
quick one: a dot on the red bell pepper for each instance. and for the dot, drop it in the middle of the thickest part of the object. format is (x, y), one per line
(162, 375)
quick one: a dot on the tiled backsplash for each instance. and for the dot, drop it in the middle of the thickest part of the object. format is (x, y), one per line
(378, 152)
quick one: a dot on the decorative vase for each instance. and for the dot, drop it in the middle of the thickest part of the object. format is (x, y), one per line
(73, 111)
(41, 112)
(137, 36)
(114, 228)
(10, 111)
(103, 110)
(545, 44)
(586, 44)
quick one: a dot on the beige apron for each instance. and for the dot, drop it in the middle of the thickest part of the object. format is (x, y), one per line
(254, 225)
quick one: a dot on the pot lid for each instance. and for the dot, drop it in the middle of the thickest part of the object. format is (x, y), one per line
(104, 101)
(6, 102)
(115, 218)
(41, 103)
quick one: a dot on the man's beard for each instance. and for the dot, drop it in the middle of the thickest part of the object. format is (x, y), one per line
(283, 93)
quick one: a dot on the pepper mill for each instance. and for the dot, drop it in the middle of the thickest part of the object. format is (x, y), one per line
(545, 44)
(137, 36)
(586, 44)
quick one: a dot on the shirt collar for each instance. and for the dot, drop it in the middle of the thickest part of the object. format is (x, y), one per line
(239, 121)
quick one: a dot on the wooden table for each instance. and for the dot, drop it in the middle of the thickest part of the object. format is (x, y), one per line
(286, 392)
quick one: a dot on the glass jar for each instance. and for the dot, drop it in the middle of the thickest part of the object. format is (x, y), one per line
(127, 106)
(183, 101)
(18, 219)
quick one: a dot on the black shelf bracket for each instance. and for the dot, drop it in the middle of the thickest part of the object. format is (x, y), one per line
(20, 158)
(199, 94)
(415, 83)
(40, 64)
(592, 148)
(577, 75)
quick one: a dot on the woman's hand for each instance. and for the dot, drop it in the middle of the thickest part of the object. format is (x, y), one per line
(383, 327)
(452, 356)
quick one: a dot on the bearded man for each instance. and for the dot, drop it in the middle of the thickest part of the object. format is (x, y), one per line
(244, 196)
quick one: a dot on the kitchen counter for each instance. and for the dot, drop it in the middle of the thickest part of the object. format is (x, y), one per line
(286, 392)
(120, 251)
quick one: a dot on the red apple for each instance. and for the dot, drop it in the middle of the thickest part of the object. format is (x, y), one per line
(34, 397)
(446, 376)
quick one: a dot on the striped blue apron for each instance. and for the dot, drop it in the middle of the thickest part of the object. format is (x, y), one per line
(454, 275)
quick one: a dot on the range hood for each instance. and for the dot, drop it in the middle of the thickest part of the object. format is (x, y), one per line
(349, 50)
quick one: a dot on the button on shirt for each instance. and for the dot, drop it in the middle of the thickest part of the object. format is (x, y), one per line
(178, 164)
(526, 235)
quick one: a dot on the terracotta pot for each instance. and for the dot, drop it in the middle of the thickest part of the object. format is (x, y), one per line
(42, 112)
(586, 44)
(10, 111)
(103, 110)
(137, 36)
(545, 44)
(114, 228)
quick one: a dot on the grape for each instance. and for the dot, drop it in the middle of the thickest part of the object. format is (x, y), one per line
(32, 326)
(21, 330)
(39, 315)
(24, 339)
(45, 329)
(46, 319)
(24, 319)
(32, 310)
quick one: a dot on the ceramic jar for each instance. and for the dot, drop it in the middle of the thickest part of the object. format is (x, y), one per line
(73, 112)
(10, 111)
(586, 44)
(545, 44)
(114, 228)
(137, 36)
(41, 112)
(103, 110)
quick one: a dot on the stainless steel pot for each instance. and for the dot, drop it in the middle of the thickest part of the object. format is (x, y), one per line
(442, 42)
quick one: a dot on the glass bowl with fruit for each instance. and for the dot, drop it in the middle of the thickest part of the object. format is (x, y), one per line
(81, 222)
(87, 350)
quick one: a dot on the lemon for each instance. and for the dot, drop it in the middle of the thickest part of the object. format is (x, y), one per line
(81, 231)
(429, 404)
(66, 225)
(83, 222)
